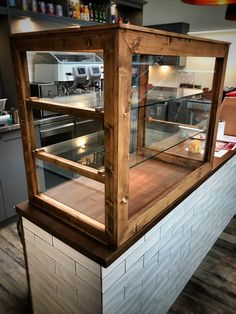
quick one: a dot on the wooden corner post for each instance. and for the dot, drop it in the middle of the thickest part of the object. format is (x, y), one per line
(26, 119)
(117, 92)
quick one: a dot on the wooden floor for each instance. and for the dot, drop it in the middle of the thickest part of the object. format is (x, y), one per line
(212, 288)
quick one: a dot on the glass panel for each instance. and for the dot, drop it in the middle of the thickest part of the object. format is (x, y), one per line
(60, 128)
(87, 150)
(170, 111)
(170, 105)
(77, 192)
(66, 77)
(76, 80)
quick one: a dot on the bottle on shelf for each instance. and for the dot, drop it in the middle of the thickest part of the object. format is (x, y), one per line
(96, 13)
(77, 7)
(104, 18)
(59, 10)
(113, 13)
(73, 10)
(100, 14)
(70, 9)
(86, 13)
(82, 13)
(91, 16)
(34, 6)
(41, 7)
(24, 5)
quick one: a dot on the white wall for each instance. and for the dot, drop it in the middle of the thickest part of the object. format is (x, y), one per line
(199, 17)
(229, 36)
(205, 21)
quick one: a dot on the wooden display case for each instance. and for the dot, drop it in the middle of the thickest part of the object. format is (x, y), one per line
(122, 178)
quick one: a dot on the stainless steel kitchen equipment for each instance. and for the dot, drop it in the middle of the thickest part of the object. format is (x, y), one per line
(68, 70)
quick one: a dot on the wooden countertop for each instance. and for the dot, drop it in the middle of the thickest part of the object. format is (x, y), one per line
(91, 248)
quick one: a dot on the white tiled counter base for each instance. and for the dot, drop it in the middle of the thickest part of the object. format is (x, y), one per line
(148, 277)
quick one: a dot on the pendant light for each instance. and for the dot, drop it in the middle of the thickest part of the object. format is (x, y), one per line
(231, 12)
(209, 2)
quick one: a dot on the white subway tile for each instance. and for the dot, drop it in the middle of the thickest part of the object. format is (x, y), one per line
(29, 236)
(141, 250)
(124, 280)
(32, 260)
(82, 287)
(86, 306)
(110, 279)
(155, 230)
(109, 269)
(168, 245)
(88, 276)
(55, 254)
(37, 231)
(44, 259)
(69, 298)
(77, 257)
(42, 281)
(115, 305)
(154, 250)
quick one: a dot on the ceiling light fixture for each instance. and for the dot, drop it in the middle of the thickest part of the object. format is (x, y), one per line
(209, 2)
(231, 12)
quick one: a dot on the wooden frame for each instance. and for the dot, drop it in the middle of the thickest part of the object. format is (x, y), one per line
(118, 42)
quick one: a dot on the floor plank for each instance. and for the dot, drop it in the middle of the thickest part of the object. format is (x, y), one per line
(13, 284)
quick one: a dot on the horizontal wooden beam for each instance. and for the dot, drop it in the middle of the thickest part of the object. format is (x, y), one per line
(69, 215)
(187, 126)
(91, 173)
(64, 108)
(157, 43)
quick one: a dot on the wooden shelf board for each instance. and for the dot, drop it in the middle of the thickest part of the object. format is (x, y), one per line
(150, 181)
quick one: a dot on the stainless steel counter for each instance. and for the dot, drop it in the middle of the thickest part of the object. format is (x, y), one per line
(8, 128)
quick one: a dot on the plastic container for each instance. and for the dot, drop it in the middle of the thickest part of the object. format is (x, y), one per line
(2, 104)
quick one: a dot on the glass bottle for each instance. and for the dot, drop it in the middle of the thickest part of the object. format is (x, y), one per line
(73, 10)
(34, 6)
(86, 13)
(24, 5)
(91, 17)
(78, 9)
(70, 9)
(95, 13)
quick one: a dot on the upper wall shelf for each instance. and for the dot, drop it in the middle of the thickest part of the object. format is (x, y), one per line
(130, 11)
(48, 17)
(3, 10)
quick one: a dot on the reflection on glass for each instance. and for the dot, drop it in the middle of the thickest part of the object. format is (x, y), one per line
(170, 110)
(75, 191)
(87, 150)
(169, 106)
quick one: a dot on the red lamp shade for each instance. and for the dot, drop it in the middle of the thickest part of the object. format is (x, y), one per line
(231, 12)
(209, 2)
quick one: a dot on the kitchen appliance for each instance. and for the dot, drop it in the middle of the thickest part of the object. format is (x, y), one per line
(68, 70)
(4, 116)
(43, 90)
